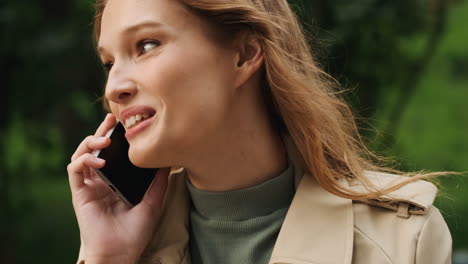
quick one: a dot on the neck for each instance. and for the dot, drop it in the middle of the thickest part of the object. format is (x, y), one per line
(247, 152)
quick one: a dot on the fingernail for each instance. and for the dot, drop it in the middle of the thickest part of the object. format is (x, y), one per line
(99, 160)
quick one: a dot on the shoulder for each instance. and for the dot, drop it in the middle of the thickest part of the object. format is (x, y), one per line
(403, 225)
(415, 198)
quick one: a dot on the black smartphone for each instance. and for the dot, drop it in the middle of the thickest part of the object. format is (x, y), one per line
(128, 181)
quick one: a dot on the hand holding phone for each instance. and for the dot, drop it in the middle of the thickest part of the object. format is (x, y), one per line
(109, 228)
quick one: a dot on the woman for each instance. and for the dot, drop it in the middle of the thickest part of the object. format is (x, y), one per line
(261, 161)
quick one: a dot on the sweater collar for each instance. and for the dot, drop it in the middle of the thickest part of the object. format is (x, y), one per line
(238, 205)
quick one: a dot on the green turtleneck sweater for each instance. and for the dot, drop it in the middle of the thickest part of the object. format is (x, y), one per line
(239, 226)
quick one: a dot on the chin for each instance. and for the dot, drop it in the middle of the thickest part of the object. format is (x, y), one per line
(142, 157)
(139, 158)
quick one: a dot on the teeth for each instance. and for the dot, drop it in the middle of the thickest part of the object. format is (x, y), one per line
(127, 123)
(131, 121)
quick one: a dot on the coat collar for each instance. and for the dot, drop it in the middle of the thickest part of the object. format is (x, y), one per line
(318, 227)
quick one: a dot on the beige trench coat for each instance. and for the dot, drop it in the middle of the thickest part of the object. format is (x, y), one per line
(321, 228)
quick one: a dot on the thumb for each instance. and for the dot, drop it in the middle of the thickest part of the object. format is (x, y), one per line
(155, 195)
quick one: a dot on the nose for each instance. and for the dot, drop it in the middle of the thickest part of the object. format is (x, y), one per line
(120, 88)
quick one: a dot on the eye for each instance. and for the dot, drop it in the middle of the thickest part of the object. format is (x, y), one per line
(147, 45)
(107, 66)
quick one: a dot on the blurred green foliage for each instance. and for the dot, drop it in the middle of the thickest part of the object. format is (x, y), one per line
(406, 63)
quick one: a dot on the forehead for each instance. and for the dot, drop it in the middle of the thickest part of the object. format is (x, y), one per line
(119, 15)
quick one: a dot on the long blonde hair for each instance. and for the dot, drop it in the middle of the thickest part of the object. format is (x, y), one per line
(304, 100)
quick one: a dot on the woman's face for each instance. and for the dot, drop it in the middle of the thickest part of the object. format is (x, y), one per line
(168, 72)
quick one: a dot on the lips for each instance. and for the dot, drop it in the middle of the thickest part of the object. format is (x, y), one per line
(136, 119)
(136, 114)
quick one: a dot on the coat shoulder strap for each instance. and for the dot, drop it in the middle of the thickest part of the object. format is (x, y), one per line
(415, 198)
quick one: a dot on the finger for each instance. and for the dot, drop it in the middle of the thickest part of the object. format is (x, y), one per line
(108, 123)
(155, 195)
(99, 187)
(92, 177)
(77, 168)
(82, 253)
(89, 145)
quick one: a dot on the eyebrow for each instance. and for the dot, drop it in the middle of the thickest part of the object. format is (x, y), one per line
(135, 27)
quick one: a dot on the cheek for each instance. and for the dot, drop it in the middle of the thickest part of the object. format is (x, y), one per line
(113, 107)
(182, 72)
(195, 87)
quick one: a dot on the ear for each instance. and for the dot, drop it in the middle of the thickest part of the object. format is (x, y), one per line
(249, 59)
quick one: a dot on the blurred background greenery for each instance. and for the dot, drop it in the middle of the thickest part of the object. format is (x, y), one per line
(405, 62)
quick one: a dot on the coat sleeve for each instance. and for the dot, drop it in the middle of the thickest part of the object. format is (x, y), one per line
(434, 242)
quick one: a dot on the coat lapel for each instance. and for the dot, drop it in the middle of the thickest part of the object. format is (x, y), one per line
(318, 227)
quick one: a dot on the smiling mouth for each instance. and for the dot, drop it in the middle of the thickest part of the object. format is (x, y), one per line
(136, 119)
